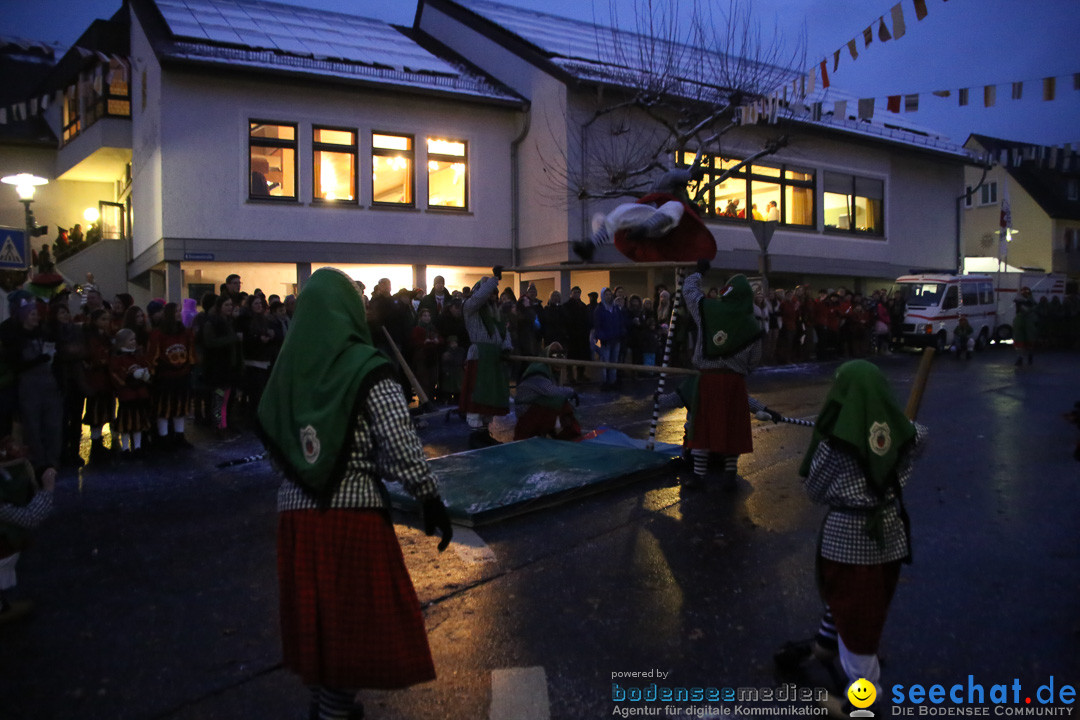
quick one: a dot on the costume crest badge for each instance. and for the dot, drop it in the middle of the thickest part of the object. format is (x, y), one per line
(880, 438)
(719, 338)
(309, 442)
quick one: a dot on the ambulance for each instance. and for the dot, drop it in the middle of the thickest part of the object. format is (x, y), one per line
(934, 302)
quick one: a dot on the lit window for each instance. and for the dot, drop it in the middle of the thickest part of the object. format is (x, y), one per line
(854, 204)
(448, 175)
(391, 169)
(334, 157)
(767, 192)
(272, 160)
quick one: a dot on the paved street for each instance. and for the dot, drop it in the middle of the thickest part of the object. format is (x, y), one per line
(156, 593)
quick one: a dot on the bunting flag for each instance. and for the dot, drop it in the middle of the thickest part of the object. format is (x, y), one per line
(840, 109)
(882, 31)
(898, 28)
(920, 9)
(989, 95)
(893, 104)
(866, 108)
(1017, 90)
(824, 76)
(911, 103)
(851, 49)
(835, 60)
(963, 96)
(1048, 88)
(868, 36)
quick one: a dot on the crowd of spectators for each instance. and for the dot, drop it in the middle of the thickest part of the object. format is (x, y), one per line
(62, 366)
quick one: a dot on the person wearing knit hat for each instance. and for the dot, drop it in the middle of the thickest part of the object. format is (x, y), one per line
(154, 309)
(859, 459)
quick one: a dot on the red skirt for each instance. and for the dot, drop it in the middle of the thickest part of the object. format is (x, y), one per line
(859, 597)
(350, 617)
(539, 421)
(689, 241)
(722, 422)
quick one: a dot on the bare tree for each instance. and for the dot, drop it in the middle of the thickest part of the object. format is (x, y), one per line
(676, 81)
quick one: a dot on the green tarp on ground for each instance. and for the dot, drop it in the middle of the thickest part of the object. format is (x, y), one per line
(483, 486)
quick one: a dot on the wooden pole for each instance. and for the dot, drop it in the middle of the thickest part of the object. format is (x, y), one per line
(921, 376)
(421, 396)
(572, 266)
(599, 364)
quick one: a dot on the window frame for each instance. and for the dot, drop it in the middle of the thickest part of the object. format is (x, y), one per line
(318, 146)
(386, 152)
(853, 196)
(988, 194)
(777, 176)
(440, 157)
(293, 144)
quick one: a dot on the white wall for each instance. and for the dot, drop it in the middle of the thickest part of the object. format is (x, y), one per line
(204, 161)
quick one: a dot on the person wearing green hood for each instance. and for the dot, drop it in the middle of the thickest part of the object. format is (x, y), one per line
(543, 406)
(859, 459)
(727, 348)
(485, 390)
(337, 425)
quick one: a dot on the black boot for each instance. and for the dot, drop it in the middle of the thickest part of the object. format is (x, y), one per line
(584, 249)
(99, 454)
(481, 439)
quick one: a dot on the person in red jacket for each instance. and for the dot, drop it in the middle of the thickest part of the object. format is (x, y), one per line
(171, 356)
(131, 381)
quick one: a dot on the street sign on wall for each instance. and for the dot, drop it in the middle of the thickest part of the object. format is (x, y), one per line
(14, 254)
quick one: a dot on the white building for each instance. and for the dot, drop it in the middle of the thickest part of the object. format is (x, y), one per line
(242, 136)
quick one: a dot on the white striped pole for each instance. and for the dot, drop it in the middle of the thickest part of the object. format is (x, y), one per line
(667, 359)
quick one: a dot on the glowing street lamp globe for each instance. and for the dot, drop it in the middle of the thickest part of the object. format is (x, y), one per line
(25, 184)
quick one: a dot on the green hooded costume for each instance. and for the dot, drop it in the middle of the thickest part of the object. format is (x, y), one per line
(729, 323)
(309, 407)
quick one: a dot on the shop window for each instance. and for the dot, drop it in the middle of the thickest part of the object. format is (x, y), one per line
(448, 173)
(334, 165)
(392, 169)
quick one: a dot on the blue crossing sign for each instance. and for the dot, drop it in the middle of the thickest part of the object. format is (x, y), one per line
(14, 254)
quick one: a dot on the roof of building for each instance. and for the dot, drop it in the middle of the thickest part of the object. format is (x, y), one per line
(588, 52)
(1043, 173)
(253, 34)
(24, 64)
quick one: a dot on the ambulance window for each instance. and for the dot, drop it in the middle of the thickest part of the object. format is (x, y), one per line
(986, 293)
(950, 299)
(971, 294)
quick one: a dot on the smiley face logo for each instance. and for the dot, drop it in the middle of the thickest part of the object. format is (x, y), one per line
(862, 693)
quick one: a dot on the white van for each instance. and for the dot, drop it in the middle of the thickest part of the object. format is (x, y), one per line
(934, 302)
(1008, 284)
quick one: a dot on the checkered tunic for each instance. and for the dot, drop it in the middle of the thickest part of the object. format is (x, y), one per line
(384, 446)
(837, 480)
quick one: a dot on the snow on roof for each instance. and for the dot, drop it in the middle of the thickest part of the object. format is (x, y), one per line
(596, 53)
(268, 34)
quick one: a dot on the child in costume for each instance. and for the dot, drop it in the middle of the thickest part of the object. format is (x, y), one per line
(963, 340)
(131, 381)
(858, 461)
(543, 406)
(336, 422)
(485, 392)
(726, 349)
(451, 370)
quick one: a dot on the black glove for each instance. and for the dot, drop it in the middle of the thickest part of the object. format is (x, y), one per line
(436, 518)
(703, 266)
(497, 272)
(776, 417)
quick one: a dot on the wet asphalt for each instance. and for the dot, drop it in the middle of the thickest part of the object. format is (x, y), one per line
(155, 589)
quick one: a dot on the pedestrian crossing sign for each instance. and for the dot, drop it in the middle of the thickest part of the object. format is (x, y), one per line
(13, 255)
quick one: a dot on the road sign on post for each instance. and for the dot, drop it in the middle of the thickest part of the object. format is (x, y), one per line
(14, 253)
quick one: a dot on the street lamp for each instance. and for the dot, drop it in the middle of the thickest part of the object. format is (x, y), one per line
(25, 185)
